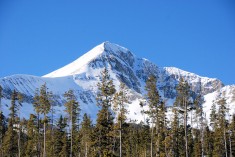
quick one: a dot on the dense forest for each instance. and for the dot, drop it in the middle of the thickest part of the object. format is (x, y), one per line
(43, 134)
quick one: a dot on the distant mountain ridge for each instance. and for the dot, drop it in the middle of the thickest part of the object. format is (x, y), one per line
(83, 74)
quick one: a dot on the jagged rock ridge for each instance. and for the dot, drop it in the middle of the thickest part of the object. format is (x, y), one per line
(83, 74)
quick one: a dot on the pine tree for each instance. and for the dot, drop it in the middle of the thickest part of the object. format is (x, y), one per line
(61, 147)
(36, 105)
(23, 137)
(65, 149)
(143, 134)
(208, 142)
(104, 121)
(120, 101)
(136, 140)
(162, 128)
(51, 131)
(182, 99)
(219, 124)
(20, 100)
(232, 137)
(2, 122)
(10, 138)
(222, 113)
(73, 111)
(3, 128)
(153, 100)
(43, 106)
(200, 126)
(31, 146)
(175, 134)
(165, 129)
(213, 117)
(86, 135)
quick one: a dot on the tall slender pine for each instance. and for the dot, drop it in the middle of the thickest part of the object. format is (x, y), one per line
(153, 100)
(43, 106)
(72, 108)
(182, 99)
(104, 122)
(120, 102)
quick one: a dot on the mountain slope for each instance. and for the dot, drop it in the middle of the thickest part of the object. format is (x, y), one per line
(83, 74)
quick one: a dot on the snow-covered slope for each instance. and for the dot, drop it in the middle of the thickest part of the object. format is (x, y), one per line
(83, 74)
(227, 92)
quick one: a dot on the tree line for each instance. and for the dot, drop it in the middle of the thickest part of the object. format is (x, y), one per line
(112, 135)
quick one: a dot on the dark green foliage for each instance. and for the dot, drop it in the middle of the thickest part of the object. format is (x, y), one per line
(120, 105)
(158, 136)
(61, 140)
(183, 104)
(3, 128)
(153, 100)
(220, 129)
(42, 101)
(106, 90)
(73, 112)
(136, 139)
(31, 147)
(232, 136)
(103, 130)
(104, 124)
(72, 108)
(23, 138)
(42, 105)
(3, 125)
(208, 142)
(10, 138)
(86, 136)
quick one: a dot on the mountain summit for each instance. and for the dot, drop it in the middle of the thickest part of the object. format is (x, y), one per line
(83, 74)
(79, 65)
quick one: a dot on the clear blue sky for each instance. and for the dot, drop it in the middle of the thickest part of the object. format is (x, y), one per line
(39, 36)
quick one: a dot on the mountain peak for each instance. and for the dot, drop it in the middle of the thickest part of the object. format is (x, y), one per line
(83, 75)
(78, 63)
(105, 48)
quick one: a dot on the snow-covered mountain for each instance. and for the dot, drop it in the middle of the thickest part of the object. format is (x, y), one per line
(83, 74)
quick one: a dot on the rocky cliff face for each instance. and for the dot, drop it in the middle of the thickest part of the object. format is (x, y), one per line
(83, 74)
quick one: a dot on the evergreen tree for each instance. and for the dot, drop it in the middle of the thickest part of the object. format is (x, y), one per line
(31, 146)
(182, 101)
(10, 138)
(153, 100)
(50, 132)
(20, 100)
(65, 148)
(23, 137)
(43, 106)
(120, 101)
(2, 122)
(36, 105)
(3, 128)
(73, 111)
(219, 126)
(177, 144)
(162, 129)
(200, 126)
(104, 121)
(213, 117)
(86, 135)
(208, 142)
(61, 146)
(232, 137)
(136, 140)
(143, 139)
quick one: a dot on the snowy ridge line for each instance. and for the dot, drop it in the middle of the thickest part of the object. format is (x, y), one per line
(83, 74)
